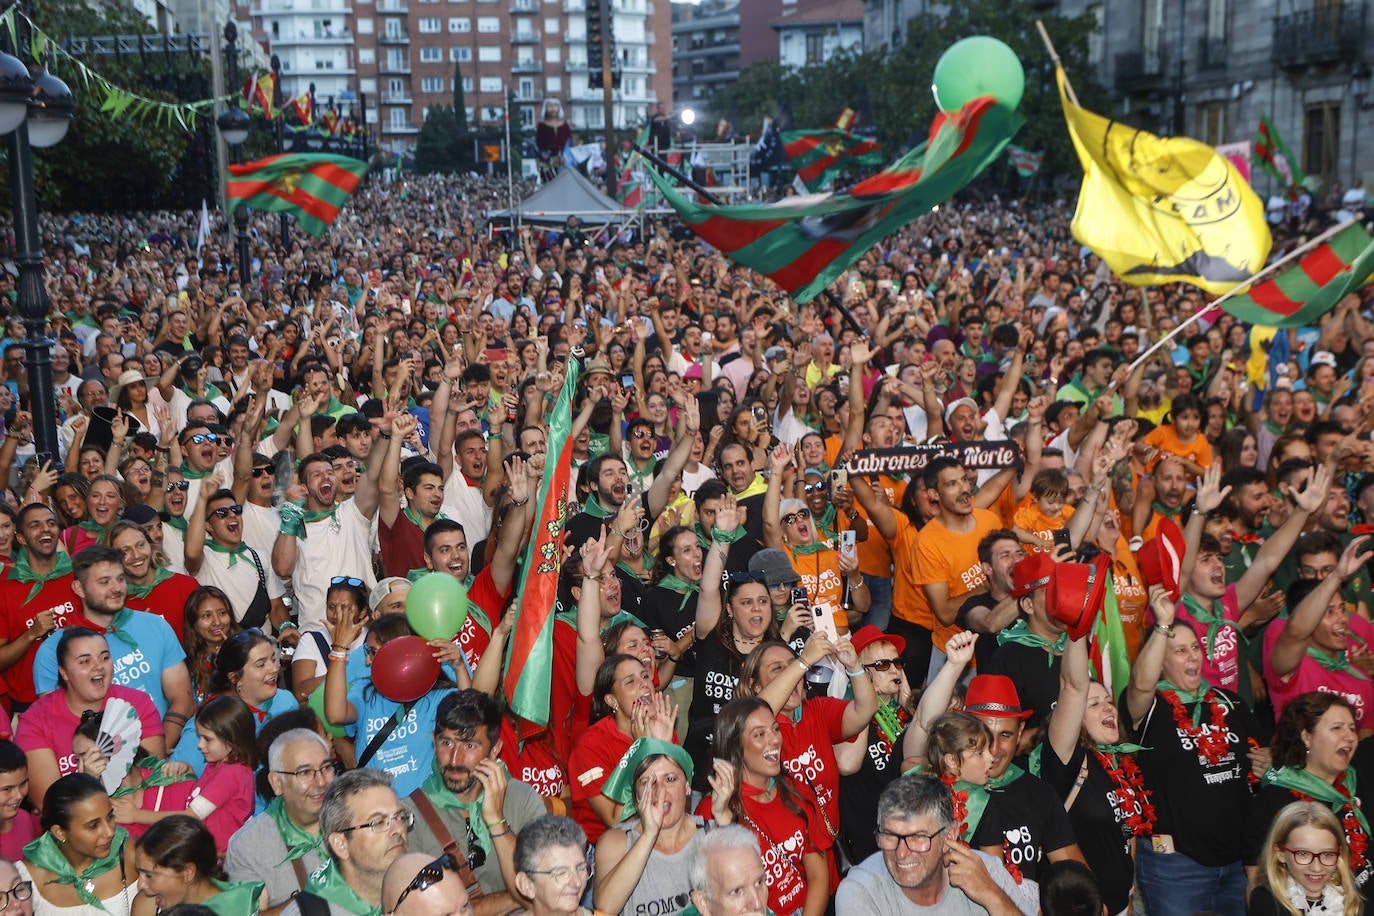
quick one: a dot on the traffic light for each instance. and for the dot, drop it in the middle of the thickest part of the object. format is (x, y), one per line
(596, 36)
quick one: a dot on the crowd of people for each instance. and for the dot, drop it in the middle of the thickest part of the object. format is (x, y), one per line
(1108, 647)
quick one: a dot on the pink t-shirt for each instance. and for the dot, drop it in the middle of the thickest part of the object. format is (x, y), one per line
(1312, 677)
(49, 724)
(23, 829)
(1221, 667)
(229, 787)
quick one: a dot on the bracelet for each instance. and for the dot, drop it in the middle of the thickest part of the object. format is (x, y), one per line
(337, 648)
(858, 673)
(338, 656)
(519, 502)
(386, 436)
(287, 625)
(505, 832)
(852, 584)
(595, 578)
(1161, 628)
(495, 823)
(176, 717)
(804, 666)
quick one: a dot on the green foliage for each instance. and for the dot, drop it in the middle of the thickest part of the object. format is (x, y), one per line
(100, 149)
(444, 144)
(460, 104)
(892, 91)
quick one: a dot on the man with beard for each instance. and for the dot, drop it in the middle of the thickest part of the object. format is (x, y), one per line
(281, 846)
(323, 540)
(1250, 496)
(146, 653)
(468, 806)
(401, 531)
(1171, 491)
(36, 597)
(364, 829)
(992, 609)
(920, 864)
(216, 554)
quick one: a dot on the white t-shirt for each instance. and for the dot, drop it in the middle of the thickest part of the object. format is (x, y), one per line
(240, 580)
(465, 505)
(336, 546)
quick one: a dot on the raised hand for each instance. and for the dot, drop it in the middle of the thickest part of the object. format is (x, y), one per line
(1210, 492)
(1162, 605)
(959, 649)
(723, 780)
(595, 553)
(1311, 497)
(1354, 557)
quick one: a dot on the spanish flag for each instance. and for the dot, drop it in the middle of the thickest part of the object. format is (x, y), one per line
(1163, 210)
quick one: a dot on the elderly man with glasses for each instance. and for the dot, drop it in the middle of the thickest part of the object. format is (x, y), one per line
(920, 862)
(282, 846)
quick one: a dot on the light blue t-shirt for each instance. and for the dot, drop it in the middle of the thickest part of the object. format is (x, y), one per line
(408, 752)
(142, 646)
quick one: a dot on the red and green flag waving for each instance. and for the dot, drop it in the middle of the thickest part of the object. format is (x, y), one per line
(529, 653)
(820, 155)
(804, 243)
(1274, 155)
(312, 186)
(1026, 162)
(1309, 289)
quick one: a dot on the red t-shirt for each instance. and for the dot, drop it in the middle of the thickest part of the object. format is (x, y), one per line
(593, 759)
(807, 751)
(19, 613)
(534, 763)
(569, 710)
(475, 635)
(229, 787)
(167, 600)
(49, 724)
(23, 829)
(403, 546)
(783, 839)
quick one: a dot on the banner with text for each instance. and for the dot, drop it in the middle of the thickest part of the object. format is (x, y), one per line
(912, 459)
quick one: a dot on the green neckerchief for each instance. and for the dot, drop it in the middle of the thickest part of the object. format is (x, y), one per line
(1166, 511)
(326, 882)
(298, 841)
(703, 536)
(1339, 662)
(315, 515)
(1214, 618)
(1020, 634)
(415, 575)
(433, 787)
(118, 627)
(46, 853)
(191, 473)
(727, 537)
(825, 523)
(1123, 747)
(977, 804)
(807, 550)
(211, 392)
(415, 518)
(1299, 780)
(1273, 427)
(592, 506)
(233, 553)
(176, 521)
(1196, 700)
(675, 584)
(234, 898)
(156, 777)
(160, 576)
(23, 572)
(999, 783)
(94, 528)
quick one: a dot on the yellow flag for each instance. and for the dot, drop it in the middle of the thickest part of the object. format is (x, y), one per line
(1163, 210)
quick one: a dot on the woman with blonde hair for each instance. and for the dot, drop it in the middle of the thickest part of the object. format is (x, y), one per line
(1305, 866)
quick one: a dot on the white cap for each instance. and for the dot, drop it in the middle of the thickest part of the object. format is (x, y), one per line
(970, 402)
(1323, 358)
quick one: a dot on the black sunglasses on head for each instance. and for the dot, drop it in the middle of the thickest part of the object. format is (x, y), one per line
(427, 877)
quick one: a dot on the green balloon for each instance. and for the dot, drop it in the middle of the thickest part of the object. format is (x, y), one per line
(436, 606)
(977, 66)
(316, 702)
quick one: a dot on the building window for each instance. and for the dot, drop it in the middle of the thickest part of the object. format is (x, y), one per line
(432, 84)
(365, 25)
(552, 26)
(459, 55)
(489, 54)
(815, 48)
(429, 25)
(553, 55)
(490, 84)
(555, 84)
(367, 55)
(1321, 137)
(431, 55)
(400, 118)
(526, 118)
(488, 24)
(392, 28)
(459, 24)
(396, 88)
(1095, 37)
(467, 84)
(1212, 123)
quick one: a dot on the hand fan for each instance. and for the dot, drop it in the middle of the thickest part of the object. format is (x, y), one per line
(120, 731)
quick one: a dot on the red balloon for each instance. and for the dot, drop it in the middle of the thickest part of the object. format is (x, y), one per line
(404, 669)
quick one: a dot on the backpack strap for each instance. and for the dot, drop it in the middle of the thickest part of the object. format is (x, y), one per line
(441, 833)
(311, 905)
(379, 739)
(298, 867)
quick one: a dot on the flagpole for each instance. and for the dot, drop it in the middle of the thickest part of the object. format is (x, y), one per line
(1244, 285)
(1054, 56)
(686, 181)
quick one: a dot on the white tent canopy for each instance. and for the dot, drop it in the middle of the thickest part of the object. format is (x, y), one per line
(570, 193)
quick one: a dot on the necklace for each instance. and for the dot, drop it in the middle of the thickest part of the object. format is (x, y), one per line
(1209, 740)
(1137, 814)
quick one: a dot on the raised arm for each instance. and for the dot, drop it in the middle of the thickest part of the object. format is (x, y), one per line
(389, 477)
(1066, 721)
(522, 482)
(688, 423)
(590, 652)
(728, 517)
(1149, 664)
(938, 693)
(1291, 647)
(778, 459)
(1306, 502)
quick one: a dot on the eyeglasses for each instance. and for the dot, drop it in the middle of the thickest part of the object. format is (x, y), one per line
(350, 581)
(427, 877)
(265, 469)
(884, 664)
(916, 842)
(383, 822)
(1315, 572)
(793, 517)
(643, 433)
(226, 511)
(22, 890)
(310, 774)
(821, 487)
(202, 438)
(182, 485)
(563, 872)
(1305, 856)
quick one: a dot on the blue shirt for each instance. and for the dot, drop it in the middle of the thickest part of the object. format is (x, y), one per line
(187, 750)
(151, 647)
(408, 752)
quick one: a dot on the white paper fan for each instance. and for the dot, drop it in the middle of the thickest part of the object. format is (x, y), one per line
(120, 731)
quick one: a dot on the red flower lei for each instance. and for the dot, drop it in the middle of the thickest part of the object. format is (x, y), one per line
(1210, 742)
(1132, 796)
(1250, 776)
(960, 799)
(1012, 869)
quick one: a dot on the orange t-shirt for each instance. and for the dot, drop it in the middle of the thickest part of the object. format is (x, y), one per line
(1131, 596)
(946, 556)
(875, 554)
(1163, 437)
(1029, 518)
(820, 574)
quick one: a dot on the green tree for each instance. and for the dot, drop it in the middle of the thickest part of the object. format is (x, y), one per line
(441, 142)
(101, 151)
(460, 104)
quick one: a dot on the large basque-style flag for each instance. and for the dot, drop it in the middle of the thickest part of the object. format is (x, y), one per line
(1274, 156)
(1163, 210)
(804, 243)
(529, 653)
(820, 155)
(312, 186)
(1303, 293)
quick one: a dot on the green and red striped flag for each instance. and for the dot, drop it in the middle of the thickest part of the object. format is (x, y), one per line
(803, 244)
(312, 186)
(1026, 162)
(1274, 155)
(1309, 289)
(820, 155)
(529, 652)
(1111, 665)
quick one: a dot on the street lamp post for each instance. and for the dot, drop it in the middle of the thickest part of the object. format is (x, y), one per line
(233, 126)
(34, 111)
(280, 131)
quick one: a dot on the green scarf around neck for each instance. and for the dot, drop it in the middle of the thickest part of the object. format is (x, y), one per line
(23, 572)
(592, 506)
(191, 473)
(1020, 633)
(1314, 787)
(234, 898)
(176, 521)
(675, 584)
(233, 553)
(1195, 700)
(807, 550)
(977, 804)
(45, 852)
(326, 882)
(298, 841)
(1212, 617)
(1335, 662)
(1000, 783)
(439, 794)
(160, 576)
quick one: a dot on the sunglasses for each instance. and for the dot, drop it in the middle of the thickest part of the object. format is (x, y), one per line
(225, 511)
(202, 438)
(265, 469)
(350, 581)
(883, 664)
(739, 578)
(182, 485)
(799, 515)
(821, 487)
(643, 434)
(428, 876)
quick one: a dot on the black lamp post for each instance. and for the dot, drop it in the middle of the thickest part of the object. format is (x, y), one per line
(233, 127)
(34, 111)
(280, 131)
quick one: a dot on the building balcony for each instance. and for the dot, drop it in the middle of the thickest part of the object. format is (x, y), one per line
(1212, 53)
(524, 38)
(524, 6)
(526, 66)
(574, 6)
(389, 130)
(1137, 71)
(392, 6)
(1327, 34)
(341, 37)
(397, 98)
(316, 73)
(401, 67)
(274, 10)
(403, 38)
